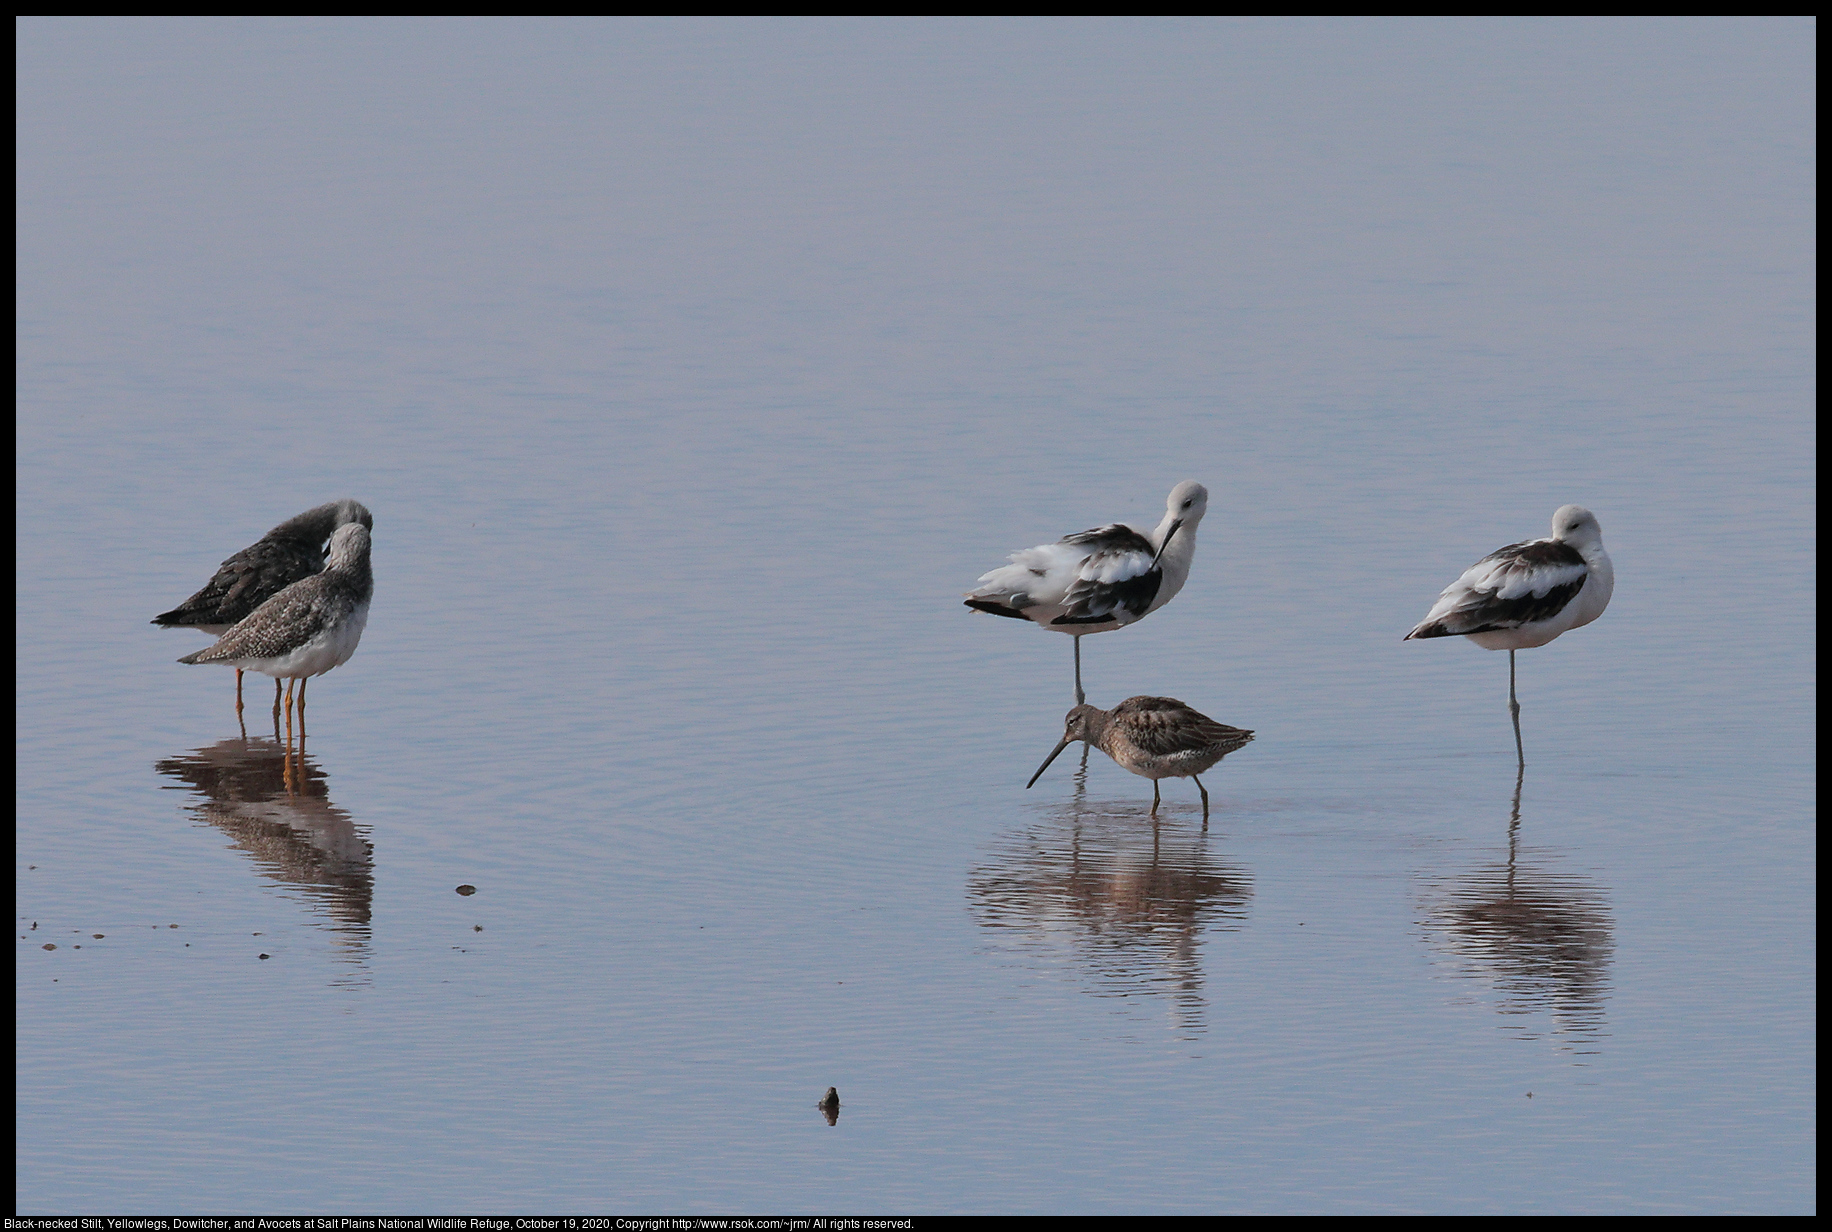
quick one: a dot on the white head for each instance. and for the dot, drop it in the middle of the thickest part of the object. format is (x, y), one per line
(1187, 502)
(1577, 526)
(1183, 509)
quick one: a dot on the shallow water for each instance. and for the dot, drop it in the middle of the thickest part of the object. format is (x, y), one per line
(692, 370)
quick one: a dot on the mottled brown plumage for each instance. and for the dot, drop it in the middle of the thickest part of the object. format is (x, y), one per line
(1155, 738)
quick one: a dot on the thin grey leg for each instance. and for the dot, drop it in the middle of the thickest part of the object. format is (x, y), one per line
(1205, 801)
(1154, 797)
(238, 692)
(1080, 697)
(1520, 751)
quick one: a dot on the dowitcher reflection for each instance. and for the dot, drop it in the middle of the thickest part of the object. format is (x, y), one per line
(1127, 907)
(1535, 932)
(277, 809)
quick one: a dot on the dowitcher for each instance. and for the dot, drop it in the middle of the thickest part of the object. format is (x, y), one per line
(1154, 737)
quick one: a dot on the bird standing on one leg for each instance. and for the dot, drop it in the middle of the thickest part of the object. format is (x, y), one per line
(310, 627)
(1155, 738)
(1526, 594)
(1100, 579)
(290, 552)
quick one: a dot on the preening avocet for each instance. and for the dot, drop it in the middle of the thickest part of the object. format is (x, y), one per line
(1526, 594)
(310, 627)
(1155, 738)
(1100, 579)
(290, 552)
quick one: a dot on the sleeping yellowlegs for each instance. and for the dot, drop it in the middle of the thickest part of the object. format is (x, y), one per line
(290, 552)
(310, 627)
(1100, 579)
(1526, 594)
(1155, 738)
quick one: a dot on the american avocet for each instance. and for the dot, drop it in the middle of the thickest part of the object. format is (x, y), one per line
(1526, 594)
(310, 627)
(290, 552)
(1155, 738)
(1100, 579)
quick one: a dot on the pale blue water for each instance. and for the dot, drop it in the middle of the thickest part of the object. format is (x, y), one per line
(692, 369)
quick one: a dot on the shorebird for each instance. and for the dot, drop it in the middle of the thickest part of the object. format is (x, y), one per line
(1526, 594)
(310, 627)
(1100, 579)
(290, 552)
(1155, 738)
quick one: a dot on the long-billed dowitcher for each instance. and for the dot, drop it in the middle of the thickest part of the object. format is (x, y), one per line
(1100, 579)
(310, 627)
(290, 552)
(1154, 737)
(1526, 594)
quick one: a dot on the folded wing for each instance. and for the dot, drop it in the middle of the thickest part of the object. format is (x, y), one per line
(1115, 580)
(1521, 584)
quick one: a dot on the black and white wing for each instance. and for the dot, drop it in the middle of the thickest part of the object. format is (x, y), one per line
(1115, 581)
(1521, 584)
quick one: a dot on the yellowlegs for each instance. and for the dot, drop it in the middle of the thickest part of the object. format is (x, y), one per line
(1100, 579)
(310, 627)
(1526, 594)
(290, 552)
(1155, 738)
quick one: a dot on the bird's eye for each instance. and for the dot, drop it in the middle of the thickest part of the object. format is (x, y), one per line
(1187, 504)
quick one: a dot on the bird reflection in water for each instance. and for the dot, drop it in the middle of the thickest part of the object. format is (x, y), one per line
(1538, 935)
(1128, 902)
(274, 804)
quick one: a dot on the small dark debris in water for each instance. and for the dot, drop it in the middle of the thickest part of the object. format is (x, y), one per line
(171, 926)
(49, 946)
(76, 947)
(187, 945)
(1529, 1095)
(254, 934)
(830, 1105)
(31, 866)
(476, 928)
(98, 936)
(467, 890)
(264, 957)
(34, 925)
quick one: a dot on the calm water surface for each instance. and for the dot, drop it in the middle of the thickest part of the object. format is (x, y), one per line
(692, 370)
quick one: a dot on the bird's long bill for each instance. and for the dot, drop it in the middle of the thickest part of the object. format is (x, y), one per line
(1054, 753)
(1167, 539)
